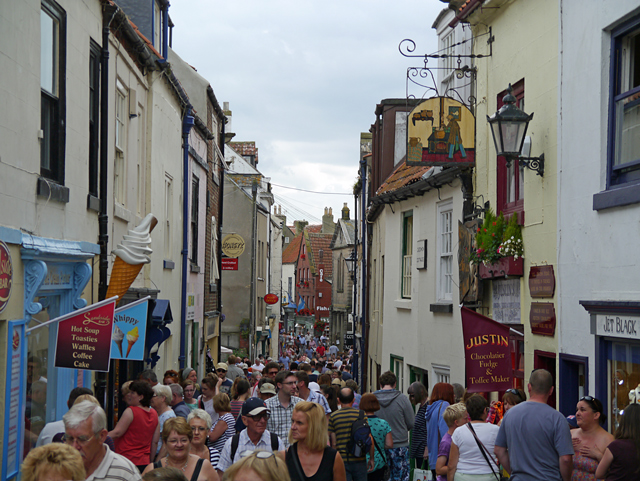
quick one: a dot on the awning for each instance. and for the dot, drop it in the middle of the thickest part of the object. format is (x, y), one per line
(157, 331)
(162, 312)
(225, 350)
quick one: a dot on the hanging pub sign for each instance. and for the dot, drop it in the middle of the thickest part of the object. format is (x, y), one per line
(84, 337)
(487, 353)
(232, 245)
(440, 131)
(130, 331)
(6, 275)
(270, 299)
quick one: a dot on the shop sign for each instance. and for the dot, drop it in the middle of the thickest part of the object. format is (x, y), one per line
(321, 273)
(543, 318)
(421, 254)
(348, 340)
(191, 307)
(487, 353)
(130, 331)
(229, 264)
(506, 301)
(233, 245)
(271, 299)
(84, 337)
(440, 131)
(6, 275)
(14, 406)
(542, 281)
(58, 277)
(626, 327)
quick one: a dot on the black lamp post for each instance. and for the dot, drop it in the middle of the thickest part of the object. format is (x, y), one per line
(509, 127)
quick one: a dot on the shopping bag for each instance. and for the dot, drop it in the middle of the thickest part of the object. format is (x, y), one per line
(423, 473)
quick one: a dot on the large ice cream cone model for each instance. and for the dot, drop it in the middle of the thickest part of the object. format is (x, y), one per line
(131, 255)
(132, 338)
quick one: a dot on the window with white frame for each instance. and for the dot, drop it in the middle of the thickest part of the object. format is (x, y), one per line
(441, 373)
(448, 49)
(407, 251)
(445, 250)
(168, 215)
(398, 370)
(119, 169)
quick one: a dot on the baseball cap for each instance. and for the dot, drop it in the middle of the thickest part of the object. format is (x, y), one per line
(268, 388)
(339, 382)
(572, 421)
(253, 406)
(222, 365)
(314, 386)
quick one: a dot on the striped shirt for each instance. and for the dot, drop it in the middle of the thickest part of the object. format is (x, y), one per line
(229, 432)
(315, 397)
(115, 467)
(419, 433)
(340, 424)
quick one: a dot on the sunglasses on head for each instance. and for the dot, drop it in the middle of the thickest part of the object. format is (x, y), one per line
(514, 392)
(259, 454)
(590, 399)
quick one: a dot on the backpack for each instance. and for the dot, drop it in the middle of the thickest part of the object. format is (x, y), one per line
(235, 440)
(360, 442)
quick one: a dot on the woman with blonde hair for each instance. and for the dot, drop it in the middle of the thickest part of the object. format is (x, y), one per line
(225, 426)
(258, 466)
(309, 456)
(177, 436)
(53, 462)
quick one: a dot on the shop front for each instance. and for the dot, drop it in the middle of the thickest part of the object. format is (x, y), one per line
(48, 278)
(616, 328)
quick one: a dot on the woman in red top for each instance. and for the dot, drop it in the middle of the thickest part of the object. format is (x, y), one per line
(137, 432)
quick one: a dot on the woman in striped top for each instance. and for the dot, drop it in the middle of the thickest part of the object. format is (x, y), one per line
(225, 425)
(418, 395)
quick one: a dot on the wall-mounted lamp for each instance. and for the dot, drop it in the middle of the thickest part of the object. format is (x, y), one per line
(508, 127)
(351, 262)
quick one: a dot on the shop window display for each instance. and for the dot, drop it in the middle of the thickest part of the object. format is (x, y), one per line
(624, 375)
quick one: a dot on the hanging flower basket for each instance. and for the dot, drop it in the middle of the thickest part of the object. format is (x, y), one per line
(503, 267)
(303, 256)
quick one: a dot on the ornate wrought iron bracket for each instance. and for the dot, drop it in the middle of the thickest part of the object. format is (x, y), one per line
(408, 46)
(533, 163)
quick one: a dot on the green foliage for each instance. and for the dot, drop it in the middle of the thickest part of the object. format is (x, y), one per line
(244, 328)
(496, 238)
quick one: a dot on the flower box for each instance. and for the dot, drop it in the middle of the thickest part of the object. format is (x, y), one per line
(507, 266)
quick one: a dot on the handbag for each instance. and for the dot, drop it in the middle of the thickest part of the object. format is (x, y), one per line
(487, 455)
(387, 469)
(421, 474)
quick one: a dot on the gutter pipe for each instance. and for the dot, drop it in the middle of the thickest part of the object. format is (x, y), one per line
(363, 233)
(187, 124)
(219, 247)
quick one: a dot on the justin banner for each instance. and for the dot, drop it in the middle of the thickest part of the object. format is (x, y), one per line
(130, 331)
(84, 337)
(487, 353)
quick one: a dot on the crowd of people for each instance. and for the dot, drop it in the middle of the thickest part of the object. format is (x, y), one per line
(301, 418)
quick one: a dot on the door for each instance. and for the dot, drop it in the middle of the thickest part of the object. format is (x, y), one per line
(547, 360)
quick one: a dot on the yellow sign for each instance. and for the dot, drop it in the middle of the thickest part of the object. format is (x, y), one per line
(232, 245)
(440, 131)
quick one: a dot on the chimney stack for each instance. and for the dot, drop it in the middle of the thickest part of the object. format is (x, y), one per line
(328, 226)
(345, 212)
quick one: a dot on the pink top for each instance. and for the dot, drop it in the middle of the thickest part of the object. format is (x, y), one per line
(135, 443)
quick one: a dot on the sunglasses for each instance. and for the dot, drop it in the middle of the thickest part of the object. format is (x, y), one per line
(594, 402)
(514, 392)
(220, 370)
(258, 417)
(259, 454)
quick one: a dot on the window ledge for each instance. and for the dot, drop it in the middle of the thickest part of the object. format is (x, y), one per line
(167, 264)
(121, 213)
(441, 307)
(403, 304)
(52, 191)
(93, 203)
(617, 197)
(213, 288)
(195, 268)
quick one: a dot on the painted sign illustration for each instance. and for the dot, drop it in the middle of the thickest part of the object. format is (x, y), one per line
(130, 331)
(441, 132)
(6, 275)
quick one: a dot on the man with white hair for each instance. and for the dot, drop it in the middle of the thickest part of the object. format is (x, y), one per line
(177, 401)
(85, 429)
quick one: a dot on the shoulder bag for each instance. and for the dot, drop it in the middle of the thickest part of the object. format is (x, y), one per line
(485, 452)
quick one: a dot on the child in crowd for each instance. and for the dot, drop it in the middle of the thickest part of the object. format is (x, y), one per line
(455, 416)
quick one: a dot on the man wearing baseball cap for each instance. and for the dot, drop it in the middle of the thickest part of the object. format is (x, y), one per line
(221, 371)
(254, 438)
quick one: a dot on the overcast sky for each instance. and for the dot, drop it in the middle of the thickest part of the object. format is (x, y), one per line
(302, 79)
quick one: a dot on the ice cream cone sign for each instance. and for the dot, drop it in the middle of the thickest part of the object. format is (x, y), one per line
(131, 255)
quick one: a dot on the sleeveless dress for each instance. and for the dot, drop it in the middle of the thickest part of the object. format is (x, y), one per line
(135, 443)
(324, 472)
(196, 470)
(584, 468)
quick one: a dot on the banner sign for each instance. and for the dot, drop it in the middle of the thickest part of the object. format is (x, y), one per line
(130, 331)
(229, 264)
(84, 337)
(487, 353)
(6, 275)
(14, 400)
(440, 131)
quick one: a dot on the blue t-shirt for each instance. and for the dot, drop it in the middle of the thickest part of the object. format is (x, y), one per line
(536, 435)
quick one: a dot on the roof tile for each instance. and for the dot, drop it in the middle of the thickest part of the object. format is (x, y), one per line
(401, 177)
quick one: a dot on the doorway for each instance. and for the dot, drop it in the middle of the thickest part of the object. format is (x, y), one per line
(547, 360)
(574, 378)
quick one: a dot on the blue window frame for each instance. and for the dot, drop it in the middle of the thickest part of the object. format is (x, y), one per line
(623, 141)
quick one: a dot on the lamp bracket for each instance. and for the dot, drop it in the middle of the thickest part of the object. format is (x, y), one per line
(533, 163)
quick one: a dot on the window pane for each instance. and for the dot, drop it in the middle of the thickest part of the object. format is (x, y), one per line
(47, 111)
(627, 145)
(48, 61)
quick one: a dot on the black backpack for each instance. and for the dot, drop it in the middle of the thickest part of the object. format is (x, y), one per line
(360, 442)
(235, 440)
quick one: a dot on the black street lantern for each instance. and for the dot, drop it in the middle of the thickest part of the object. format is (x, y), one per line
(351, 262)
(508, 128)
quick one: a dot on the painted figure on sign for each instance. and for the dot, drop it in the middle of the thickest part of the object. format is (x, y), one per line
(455, 141)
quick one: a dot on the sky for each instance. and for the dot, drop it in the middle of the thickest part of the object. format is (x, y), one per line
(302, 79)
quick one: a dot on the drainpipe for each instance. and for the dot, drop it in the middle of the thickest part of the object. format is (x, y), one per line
(354, 288)
(363, 233)
(219, 248)
(165, 30)
(187, 123)
(103, 218)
